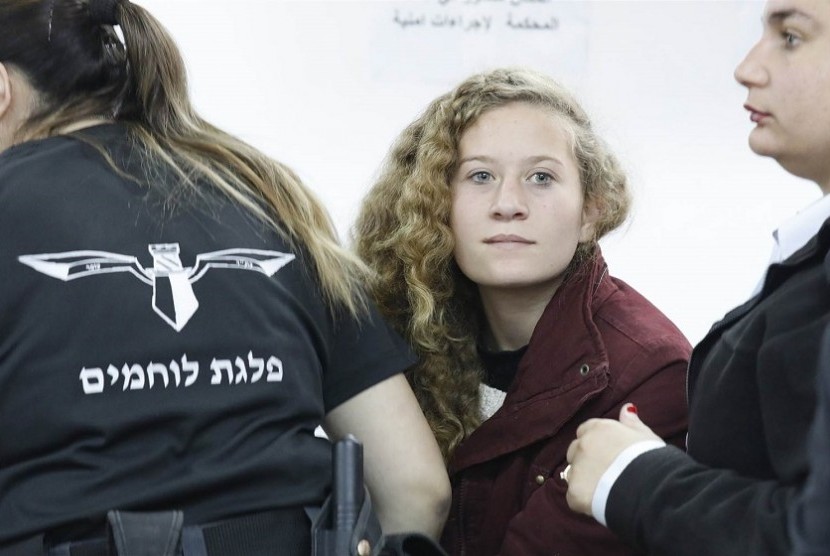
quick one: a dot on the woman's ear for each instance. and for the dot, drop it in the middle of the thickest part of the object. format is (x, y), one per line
(590, 216)
(16, 101)
(5, 90)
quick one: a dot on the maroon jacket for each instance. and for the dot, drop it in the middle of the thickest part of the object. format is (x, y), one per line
(598, 345)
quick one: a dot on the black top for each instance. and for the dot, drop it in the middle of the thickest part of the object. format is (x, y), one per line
(500, 366)
(158, 354)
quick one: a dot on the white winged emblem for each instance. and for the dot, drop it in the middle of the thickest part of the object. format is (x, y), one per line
(173, 297)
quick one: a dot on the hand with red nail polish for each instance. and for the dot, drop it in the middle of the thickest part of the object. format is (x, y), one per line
(598, 443)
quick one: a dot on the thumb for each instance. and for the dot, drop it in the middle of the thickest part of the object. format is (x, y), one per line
(629, 417)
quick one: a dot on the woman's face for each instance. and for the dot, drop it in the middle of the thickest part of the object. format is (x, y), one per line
(517, 204)
(787, 76)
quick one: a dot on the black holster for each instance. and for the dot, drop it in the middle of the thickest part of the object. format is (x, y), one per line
(347, 525)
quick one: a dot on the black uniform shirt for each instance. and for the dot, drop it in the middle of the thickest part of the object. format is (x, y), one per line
(156, 354)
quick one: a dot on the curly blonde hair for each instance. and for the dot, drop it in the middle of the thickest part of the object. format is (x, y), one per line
(403, 234)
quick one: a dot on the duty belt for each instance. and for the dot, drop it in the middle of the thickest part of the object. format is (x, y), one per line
(286, 531)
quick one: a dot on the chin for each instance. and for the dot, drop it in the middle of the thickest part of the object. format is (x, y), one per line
(761, 147)
(521, 283)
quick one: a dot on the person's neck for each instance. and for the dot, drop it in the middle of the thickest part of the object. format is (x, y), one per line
(512, 314)
(84, 123)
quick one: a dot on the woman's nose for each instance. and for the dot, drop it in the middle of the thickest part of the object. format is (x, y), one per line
(510, 201)
(751, 72)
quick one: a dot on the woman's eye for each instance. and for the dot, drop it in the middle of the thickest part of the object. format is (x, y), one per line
(481, 176)
(790, 39)
(541, 178)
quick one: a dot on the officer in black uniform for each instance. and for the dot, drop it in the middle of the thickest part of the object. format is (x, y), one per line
(176, 316)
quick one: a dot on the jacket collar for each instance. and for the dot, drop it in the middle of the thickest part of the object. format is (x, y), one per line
(817, 246)
(777, 273)
(565, 365)
(566, 337)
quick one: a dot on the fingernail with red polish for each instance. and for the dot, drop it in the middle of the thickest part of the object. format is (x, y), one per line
(631, 408)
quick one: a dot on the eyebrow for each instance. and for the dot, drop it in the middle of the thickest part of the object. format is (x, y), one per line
(531, 159)
(780, 16)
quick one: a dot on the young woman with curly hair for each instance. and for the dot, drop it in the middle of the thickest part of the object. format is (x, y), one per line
(483, 230)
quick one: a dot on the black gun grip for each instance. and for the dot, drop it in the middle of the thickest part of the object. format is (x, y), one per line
(348, 483)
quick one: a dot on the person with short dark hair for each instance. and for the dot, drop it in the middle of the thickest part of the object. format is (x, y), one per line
(752, 378)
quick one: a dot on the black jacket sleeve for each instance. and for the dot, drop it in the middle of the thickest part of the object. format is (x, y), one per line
(810, 516)
(666, 504)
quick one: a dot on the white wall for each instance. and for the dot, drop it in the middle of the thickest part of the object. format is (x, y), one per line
(325, 86)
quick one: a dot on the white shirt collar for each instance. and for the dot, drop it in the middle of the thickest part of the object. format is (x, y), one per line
(795, 232)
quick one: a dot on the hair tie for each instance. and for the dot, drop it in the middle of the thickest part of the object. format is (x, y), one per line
(104, 11)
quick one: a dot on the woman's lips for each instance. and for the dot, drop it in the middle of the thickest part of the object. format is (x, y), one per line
(507, 239)
(756, 115)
